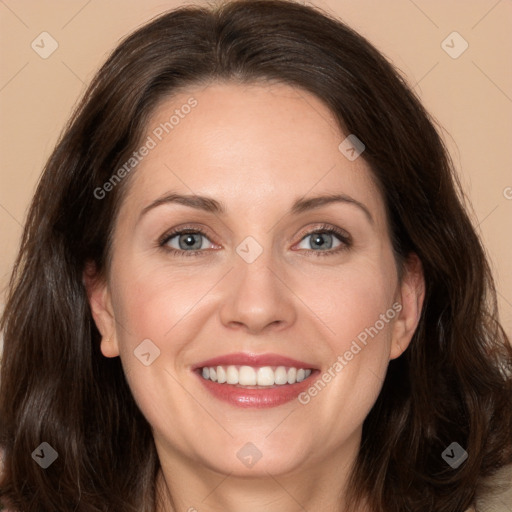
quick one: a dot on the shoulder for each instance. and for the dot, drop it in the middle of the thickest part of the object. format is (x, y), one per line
(494, 494)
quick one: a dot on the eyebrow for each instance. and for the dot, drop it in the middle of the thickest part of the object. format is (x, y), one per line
(210, 205)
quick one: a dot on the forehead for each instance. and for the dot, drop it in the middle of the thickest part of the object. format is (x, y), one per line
(251, 146)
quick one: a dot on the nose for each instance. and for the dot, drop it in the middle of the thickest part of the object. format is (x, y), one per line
(257, 298)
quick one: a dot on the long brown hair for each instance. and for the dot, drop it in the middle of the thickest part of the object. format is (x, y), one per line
(454, 382)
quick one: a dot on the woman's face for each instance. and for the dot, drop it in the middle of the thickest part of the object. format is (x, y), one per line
(257, 285)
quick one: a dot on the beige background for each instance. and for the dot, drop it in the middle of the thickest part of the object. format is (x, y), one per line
(470, 96)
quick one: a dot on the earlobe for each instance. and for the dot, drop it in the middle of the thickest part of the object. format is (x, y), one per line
(109, 347)
(99, 298)
(412, 294)
(396, 349)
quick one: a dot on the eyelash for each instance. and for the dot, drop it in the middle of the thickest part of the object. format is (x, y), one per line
(343, 237)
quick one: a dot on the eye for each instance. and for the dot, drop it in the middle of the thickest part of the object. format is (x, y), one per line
(323, 238)
(186, 242)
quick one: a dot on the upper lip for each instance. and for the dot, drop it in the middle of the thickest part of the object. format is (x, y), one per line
(248, 359)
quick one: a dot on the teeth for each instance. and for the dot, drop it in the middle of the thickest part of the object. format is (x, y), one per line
(280, 375)
(266, 376)
(221, 375)
(246, 376)
(232, 375)
(260, 376)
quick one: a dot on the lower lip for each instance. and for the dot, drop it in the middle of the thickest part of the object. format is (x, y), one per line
(256, 398)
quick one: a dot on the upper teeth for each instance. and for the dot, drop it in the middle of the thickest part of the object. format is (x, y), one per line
(260, 376)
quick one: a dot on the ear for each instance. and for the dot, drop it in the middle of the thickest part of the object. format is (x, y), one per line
(410, 296)
(99, 298)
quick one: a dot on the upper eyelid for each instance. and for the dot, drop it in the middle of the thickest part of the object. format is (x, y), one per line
(179, 231)
(325, 228)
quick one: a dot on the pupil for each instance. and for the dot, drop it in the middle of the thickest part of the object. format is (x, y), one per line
(319, 241)
(189, 240)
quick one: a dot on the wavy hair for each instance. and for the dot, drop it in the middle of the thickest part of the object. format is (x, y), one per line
(453, 384)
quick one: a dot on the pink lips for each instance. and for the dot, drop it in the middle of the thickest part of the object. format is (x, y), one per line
(256, 397)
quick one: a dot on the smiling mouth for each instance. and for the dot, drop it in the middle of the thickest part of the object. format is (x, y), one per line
(254, 377)
(255, 380)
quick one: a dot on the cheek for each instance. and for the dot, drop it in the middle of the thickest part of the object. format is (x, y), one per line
(151, 301)
(355, 303)
(151, 313)
(149, 306)
(359, 308)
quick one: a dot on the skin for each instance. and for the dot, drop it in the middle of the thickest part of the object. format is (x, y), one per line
(257, 148)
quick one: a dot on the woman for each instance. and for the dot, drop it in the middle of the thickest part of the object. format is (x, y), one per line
(247, 280)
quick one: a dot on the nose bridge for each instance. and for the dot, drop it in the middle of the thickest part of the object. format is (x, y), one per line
(257, 296)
